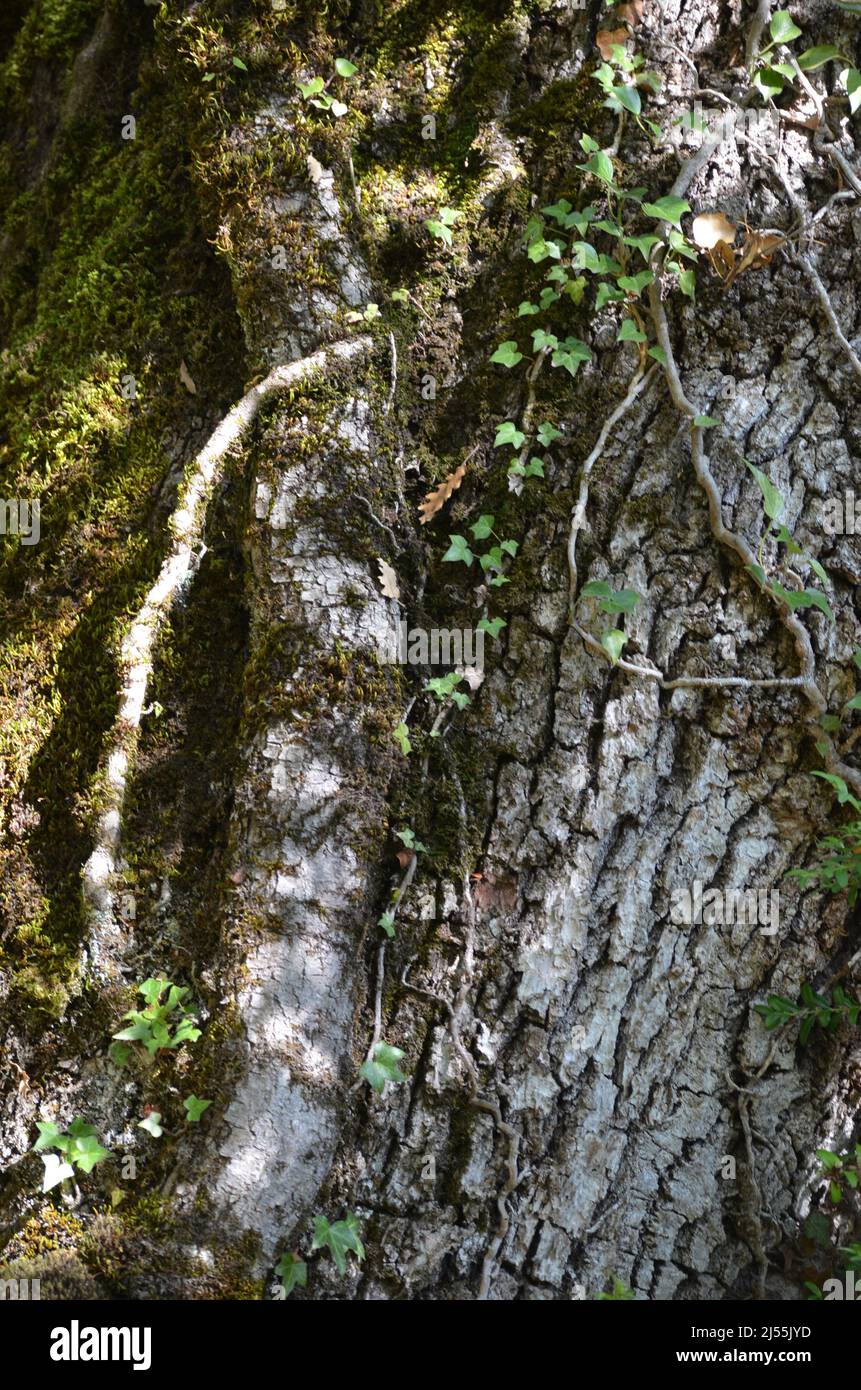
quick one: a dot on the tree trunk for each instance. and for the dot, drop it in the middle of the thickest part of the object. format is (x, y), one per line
(200, 776)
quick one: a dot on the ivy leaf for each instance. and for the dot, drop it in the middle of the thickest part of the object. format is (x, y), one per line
(769, 81)
(585, 257)
(540, 250)
(851, 79)
(310, 89)
(49, 1134)
(816, 567)
(668, 209)
(659, 355)
(340, 1239)
(687, 281)
(238, 63)
(508, 433)
(482, 528)
(600, 165)
(613, 642)
(813, 58)
(458, 550)
(624, 96)
(607, 293)
(291, 1270)
(151, 1124)
(782, 27)
(507, 354)
(387, 922)
(439, 230)
(56, 1171)
(558, 211)
(86, 1152)
(382, 1067)
(407, 837)
(344, 68)
(402, 735)
(634, 284)
(546, 435)
(542, 339)
(630, 333)
(194, 1108)
(772, 501)
(526, 307)
(152, 990)
(492, 627)
(643, 244)
(706, 422)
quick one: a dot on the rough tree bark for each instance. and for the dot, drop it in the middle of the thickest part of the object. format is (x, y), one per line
(580, 1067)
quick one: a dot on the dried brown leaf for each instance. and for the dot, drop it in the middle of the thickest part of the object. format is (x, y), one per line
(606, 38)
(440, 495)
(388, 581)
(632, 13)
(496, 892)
(757, 251)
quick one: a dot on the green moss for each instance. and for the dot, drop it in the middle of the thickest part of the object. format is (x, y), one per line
(106, 275)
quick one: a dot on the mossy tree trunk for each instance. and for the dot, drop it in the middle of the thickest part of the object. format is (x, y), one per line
(590, 1091)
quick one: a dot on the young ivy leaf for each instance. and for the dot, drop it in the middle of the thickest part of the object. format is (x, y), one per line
(402, 736)
(772, 501)
(546, 435)
(50, 1137)
(344, 68)
(507, 354)
(341, 1238)
(458, 550)
(293, 1273)
(643, 244)
(151, 1124)
(387, 922)
(492, 627)
(382, 1066)
(635, 284)
(482, 528)
(310, 89)
(540, 250)
(782, 27)
(813, 58)
(630, 333)
(706, 422)
(508, 433)
(668, 209)
(194, 1108)
(600, 165)
(613, 641)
